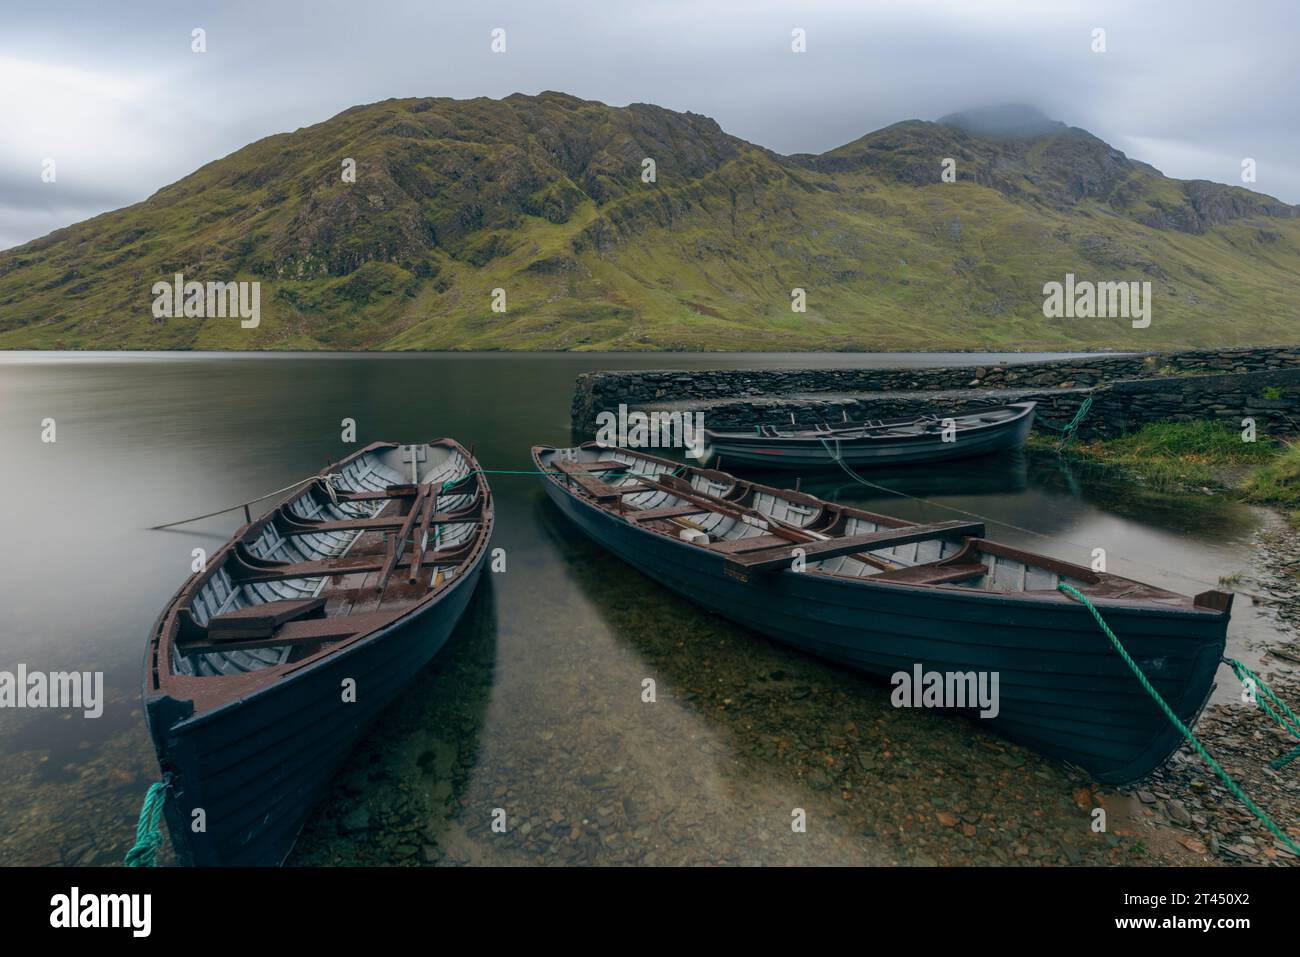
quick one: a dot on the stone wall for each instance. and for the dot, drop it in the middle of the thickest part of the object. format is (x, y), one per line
(597, 391)
(1127, 391)
(1271, 398)
(1117, 407)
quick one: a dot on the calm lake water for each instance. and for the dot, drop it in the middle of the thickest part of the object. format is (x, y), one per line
(535, 706)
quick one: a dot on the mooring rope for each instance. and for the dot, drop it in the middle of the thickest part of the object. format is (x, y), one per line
(1290, 723)
(839, 460)
(1067, 431)
(148, 834)
(1169, 713)
(329, 487)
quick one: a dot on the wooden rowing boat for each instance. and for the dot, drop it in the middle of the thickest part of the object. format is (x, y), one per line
(883, 595)
(265, 667)
(927, 438)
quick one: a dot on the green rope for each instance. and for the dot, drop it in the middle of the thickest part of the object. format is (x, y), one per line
(1169, 713)
(1286, 759)
(1067, 431)
(837, 457)
(1290, 723)
(148, 836)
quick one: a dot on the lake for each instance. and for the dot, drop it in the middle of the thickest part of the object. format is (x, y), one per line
(535, 705)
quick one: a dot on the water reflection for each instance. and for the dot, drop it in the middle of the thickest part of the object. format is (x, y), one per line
(399, 790)
(535, 706)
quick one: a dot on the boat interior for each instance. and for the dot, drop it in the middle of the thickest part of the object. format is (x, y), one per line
(757, 529)
(382, 532)
(889, 428)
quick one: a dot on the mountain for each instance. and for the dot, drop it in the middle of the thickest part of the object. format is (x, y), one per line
(1004, 120)
(543, 197)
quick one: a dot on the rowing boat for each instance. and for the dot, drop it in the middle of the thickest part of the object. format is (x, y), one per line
(884, 596)
(926, 438)
(264, 668)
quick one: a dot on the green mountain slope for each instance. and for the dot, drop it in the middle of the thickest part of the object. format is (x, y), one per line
(543, 198)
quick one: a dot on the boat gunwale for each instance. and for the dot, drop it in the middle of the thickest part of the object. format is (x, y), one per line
(1185, 606)
(808, 436)
(158, 649)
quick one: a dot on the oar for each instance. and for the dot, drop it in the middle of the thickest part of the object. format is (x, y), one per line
(400, 545)
(421, 538)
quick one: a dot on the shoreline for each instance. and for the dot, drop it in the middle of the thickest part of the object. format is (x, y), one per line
(1185, 800)
(1184, 806)
(1046, 353)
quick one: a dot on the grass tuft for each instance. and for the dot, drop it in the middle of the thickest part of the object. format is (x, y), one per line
(1178, 455)
(1278, 481)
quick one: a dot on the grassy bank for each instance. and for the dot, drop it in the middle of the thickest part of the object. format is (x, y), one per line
(1278, 481)
(1203, 455)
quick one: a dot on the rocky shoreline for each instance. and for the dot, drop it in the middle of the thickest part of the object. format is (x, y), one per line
(1186, 798)
(1127, 391)
(604, 781)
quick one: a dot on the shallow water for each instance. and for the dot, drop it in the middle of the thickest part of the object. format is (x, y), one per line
(536, 705)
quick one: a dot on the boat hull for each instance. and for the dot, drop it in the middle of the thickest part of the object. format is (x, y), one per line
(807, 453)
(1063, 689)
(256, 766)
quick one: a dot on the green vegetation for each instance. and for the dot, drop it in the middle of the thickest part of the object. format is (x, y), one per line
(1278, 481)
(542, 196)
(1174, 456)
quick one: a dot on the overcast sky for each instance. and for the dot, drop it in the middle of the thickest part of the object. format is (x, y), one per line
(113, 93)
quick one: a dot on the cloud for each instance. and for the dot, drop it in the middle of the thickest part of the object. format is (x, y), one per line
(115, 95)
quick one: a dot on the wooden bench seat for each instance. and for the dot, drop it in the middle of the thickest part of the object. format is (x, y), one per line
(667, 511)
(753, 544)
(242, 573)
(290, 633)
(773, 559)
(933, 573)
(296, 525)
(617, 491)
(260, 621)
(392, 491)
(602, 491)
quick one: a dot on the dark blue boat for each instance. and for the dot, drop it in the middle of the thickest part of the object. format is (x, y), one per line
(901, 441)
(264, 669)
(887, 597)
